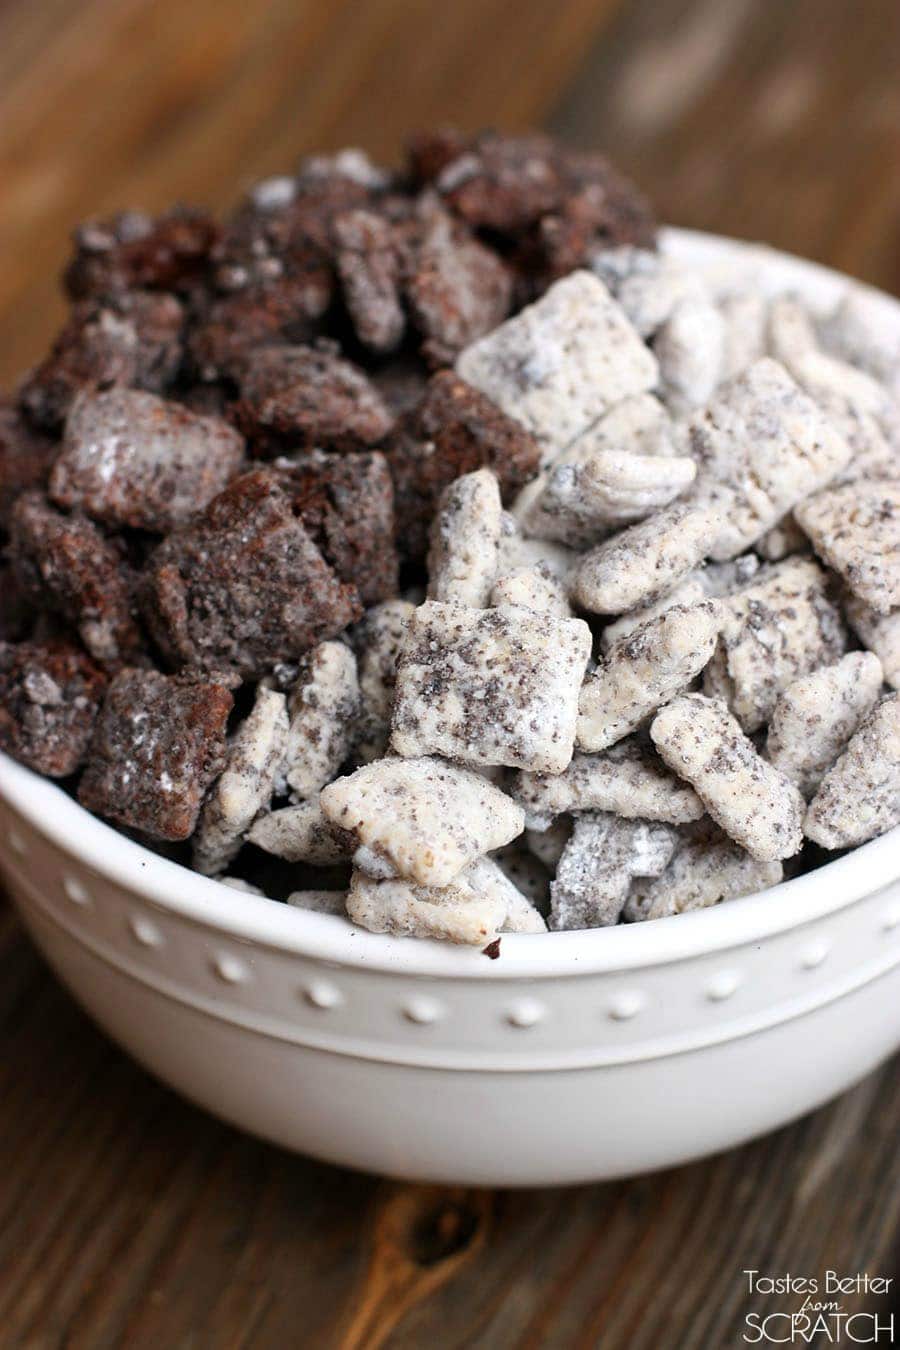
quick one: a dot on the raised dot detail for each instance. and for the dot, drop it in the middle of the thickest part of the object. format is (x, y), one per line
(422, 1011)
(892, 919)
(17, 843)
(146, 933)
(625, 1006)
(231, 970)
(723, 985)
(815, 955)
(323, 994)
(526, 1013)
(76, 892)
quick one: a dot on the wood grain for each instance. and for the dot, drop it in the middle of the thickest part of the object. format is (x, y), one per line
(129, 1219)
(144, 102)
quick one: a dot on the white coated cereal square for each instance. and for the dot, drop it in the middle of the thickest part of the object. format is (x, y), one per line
(465, 540)
(492, 687)
(561, 362)
(859, 797)
(423, 818)
(816, 715)
(856, 530)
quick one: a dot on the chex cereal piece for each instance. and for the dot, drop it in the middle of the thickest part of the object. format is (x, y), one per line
(855, 331)
(158, 744)
(378, 640)
(456, 288)
(301, 834)
(64, 563)
(859, 796)
(491, 881)
(245, 785)
(497, 686)
(644, 670)
(323, 708)
(690, 349)
(755, 804)
(49, 696)
(346, 504)
(816, 715)
(604, 490)
(856, 530)
(834, 383)
(319, 902)
(629, 780)
(427, 819)
(690, 591)
(465, 540)
(368, 263)
(645, 560)
(648, 285)
(535, 588)
(516, 551)
(598, 864)
(790, 331)
(26, 457)
(706, 869)
(560, 363)
(780, 626)
(134, 341)
(130, 458)
(457, 912)
(744, 314)
(874, 454)
(244, 586)
(547, 845)
(880, 633)
(308, 396)
(453, 431)
(761, 447)
(133, 250)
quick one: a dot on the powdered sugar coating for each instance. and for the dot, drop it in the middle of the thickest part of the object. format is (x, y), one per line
(689, 591)
(816, 715)
(426, 818)
(598, 864)
(535, 588)
(644, 561)
(456, 912)
(761, 446)
(378, 640)
(560, 363)
(465, 540)
(880, 633)
(323, 708)
(755, 804)
(707, 868)
(782, 625)
(301, 833)
(245, 786)
(628, 780)
(496, 686)
(644, 670)
(856, 530)
(859, 797)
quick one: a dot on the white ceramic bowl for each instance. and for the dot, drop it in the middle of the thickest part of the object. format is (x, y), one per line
(575, 1056)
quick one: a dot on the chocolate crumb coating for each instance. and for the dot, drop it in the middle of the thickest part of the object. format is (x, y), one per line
(26, 457)
(132, 251)
(49, 696)
(158, 745)
(66, 565)
(244, 586)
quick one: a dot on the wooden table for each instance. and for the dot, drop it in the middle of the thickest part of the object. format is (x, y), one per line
(131, 1219)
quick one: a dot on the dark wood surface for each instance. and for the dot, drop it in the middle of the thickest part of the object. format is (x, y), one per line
(128, 1218)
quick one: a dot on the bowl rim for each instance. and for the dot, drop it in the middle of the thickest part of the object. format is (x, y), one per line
(205, 902)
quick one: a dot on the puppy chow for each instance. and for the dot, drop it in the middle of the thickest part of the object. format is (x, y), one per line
(130, 458)
(495, 686)
(49, 697)
(856, 530)
(158, 744)
(323, 708)
(378, 640)
(816, 715)
(245, 786)
(598, 864)
(706, 869)
(301, 834)
(535, 588)
(427, 819)
(465, 541)
(754, 803)
(859, 797)
(562, 362)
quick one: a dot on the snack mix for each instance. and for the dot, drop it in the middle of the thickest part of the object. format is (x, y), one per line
(429, 548)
